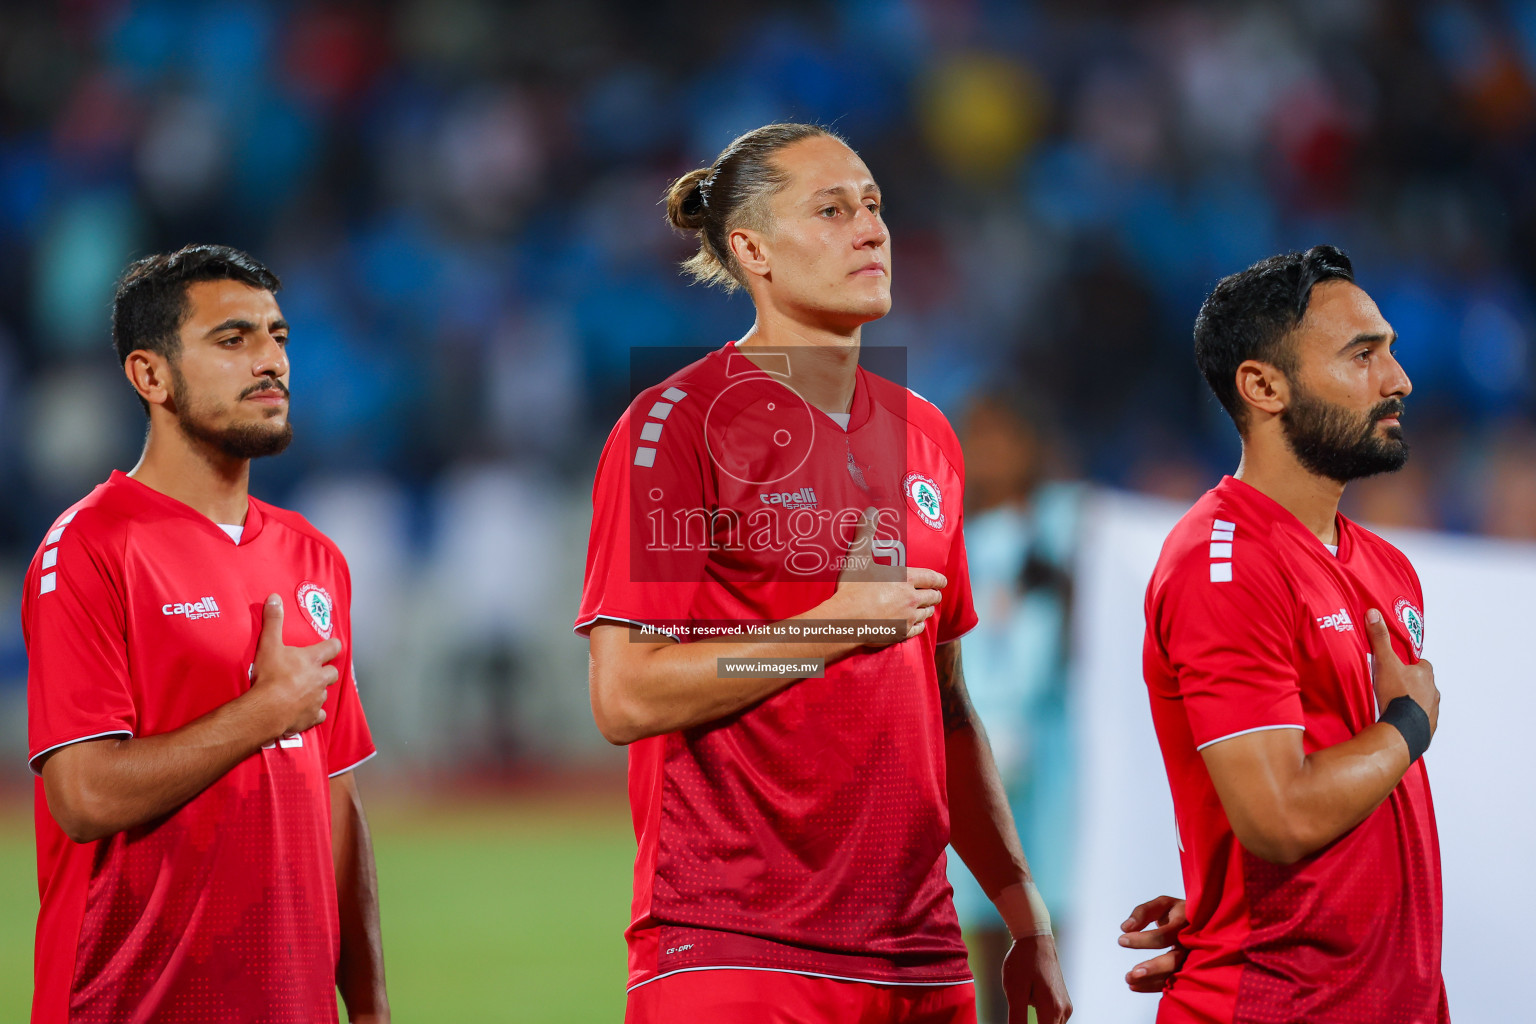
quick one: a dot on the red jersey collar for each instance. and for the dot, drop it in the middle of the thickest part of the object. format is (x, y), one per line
(858, 410)
(253, 517)
(1247, 494)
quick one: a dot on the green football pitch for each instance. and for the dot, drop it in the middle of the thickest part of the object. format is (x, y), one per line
(492, 911)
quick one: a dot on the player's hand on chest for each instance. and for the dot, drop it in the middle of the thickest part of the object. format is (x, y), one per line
(200, 621)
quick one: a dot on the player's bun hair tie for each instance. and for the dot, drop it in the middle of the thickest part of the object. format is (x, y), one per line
(703, 188)
(688, 200)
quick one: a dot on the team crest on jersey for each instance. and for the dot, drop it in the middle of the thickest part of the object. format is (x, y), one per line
(924, 497)
(1413, 621)
(317, 605)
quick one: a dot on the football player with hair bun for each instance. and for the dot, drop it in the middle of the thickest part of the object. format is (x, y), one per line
(794, 785)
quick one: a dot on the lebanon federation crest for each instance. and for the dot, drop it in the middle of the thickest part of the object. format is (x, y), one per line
(1413, 621)
(317, 604)
(924, 497)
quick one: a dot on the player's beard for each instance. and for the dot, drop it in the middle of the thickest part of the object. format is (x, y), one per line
(239, 441)
(1331, 442)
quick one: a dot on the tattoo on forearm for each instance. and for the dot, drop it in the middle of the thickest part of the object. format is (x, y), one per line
(954, 699)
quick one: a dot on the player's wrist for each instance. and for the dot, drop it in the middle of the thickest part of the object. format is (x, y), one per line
(264, 720)
(1410, 719)
(1023, 911)
(834, 607)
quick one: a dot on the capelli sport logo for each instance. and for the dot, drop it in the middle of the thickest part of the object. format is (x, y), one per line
(1339, 621)
(805, 497)
(203, 608)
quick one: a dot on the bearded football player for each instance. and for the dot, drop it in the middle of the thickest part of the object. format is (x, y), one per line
(1293, 707)
(202, 851)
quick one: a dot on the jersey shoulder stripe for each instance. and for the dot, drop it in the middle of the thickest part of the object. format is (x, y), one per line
(655, 424)
(91, 529)
(1218, 543)
(667, 412)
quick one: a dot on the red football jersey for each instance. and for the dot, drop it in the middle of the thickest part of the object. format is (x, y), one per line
(806, 833)
(141, 615)
(1253, 624)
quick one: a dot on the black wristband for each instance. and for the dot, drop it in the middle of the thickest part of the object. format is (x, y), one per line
(1405, 715)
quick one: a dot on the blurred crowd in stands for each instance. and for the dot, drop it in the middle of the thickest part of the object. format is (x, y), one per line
(461, 198)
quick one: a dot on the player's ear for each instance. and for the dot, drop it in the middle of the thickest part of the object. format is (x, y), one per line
(1263, 387)
(150, 375)
(751, 251)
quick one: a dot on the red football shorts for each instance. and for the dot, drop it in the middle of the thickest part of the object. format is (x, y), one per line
(728, 996)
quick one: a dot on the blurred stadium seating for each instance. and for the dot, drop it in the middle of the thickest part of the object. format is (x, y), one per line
(461, 197)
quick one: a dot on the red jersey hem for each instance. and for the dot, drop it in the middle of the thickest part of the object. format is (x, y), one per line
(808, 974)
(688, 948)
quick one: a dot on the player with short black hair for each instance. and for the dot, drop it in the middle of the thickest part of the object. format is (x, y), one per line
(202, 850)
(792, 824)
(1250, 315)
(1292, 704)
(151, 302)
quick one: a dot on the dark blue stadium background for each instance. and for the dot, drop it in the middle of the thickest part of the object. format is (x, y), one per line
(462, 196)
